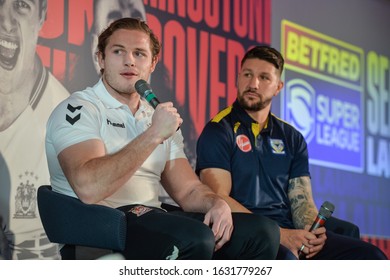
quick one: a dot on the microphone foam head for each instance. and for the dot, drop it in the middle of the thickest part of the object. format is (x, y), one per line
(326, 209)
(141, 86)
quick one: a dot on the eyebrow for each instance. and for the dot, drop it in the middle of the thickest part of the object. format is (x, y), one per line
(117, 45)
(246, 70)
(123, 47)
(34, 2)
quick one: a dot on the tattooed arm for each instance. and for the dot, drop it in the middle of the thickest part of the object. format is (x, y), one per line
(303, 208)
(304, 213)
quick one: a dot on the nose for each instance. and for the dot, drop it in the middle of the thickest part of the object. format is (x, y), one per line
(7, 20)
(254, 83)
(129, 60)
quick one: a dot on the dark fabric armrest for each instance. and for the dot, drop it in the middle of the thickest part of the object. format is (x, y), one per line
(342, 227)
(5, 251)
(67, 220)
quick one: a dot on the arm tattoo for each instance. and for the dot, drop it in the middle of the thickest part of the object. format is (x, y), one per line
(303, 208)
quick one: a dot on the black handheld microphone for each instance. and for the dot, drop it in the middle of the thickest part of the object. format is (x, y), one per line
(145, 90)
(325, 212)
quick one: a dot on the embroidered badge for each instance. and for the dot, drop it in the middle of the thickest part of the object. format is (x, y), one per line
(243, 143)
(277, 146)
(140, 210)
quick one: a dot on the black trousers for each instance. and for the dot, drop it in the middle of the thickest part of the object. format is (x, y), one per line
(340, 247)
(157, 234)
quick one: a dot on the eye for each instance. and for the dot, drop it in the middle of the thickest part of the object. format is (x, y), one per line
(139, 54)
(22, 7)
(263, 77)
(118, 51)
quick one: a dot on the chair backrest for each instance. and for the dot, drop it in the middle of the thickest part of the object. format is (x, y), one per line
(68, 220)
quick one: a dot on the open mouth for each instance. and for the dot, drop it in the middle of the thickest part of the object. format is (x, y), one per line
(9, 52)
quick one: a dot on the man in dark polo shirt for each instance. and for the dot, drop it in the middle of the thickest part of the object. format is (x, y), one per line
(259, 164)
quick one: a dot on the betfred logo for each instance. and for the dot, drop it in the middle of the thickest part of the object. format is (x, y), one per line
(243, 143)
(323, 96)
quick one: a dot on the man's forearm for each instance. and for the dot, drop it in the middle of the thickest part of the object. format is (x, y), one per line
(200, 199)
(235, 206)
(303, 208)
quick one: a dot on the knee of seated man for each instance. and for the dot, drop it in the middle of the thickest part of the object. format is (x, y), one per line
(203, 235)
(259, 226)
(200, 242)
(372, 252)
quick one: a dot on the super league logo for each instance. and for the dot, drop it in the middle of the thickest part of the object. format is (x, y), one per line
(75, 118)
(300, 109)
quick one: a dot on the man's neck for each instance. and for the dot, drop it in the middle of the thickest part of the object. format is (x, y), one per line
(260, 116)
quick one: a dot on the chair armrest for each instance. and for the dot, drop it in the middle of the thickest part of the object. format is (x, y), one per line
(68, 220)
(342, 227)
(5, 251)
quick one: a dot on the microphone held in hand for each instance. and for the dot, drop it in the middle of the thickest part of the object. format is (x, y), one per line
(325, 212)
(145, 90)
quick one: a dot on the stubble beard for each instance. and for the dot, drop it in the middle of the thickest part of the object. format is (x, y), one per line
(117, 87)
(252, 106)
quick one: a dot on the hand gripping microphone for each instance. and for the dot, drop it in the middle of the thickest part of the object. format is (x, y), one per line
(325, 212)
(144, 89)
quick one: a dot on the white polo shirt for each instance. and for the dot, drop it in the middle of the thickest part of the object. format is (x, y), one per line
(95, 114)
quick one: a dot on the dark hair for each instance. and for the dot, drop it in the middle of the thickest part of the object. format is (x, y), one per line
(130, 24)
(265, 53)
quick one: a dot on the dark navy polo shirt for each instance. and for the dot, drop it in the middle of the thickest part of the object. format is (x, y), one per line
(261, 163)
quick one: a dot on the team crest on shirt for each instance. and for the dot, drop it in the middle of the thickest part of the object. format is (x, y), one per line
(25, 198)
(277, 146)
(243, 143)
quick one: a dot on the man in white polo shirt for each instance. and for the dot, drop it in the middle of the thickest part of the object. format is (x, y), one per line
(107, 146)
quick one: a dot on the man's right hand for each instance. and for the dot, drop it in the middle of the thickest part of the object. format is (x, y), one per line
(220, 218)
(313, 242)
(166, 120)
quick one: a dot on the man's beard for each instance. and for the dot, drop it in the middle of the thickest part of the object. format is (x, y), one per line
(252, 107)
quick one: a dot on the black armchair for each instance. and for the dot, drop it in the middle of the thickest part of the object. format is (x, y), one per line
(71, 222)
(5, 251)
(342, 227)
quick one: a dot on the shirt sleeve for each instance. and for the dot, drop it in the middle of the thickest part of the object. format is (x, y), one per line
(214, 148)
(72, 122)
(176, 146)
(300, 163)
